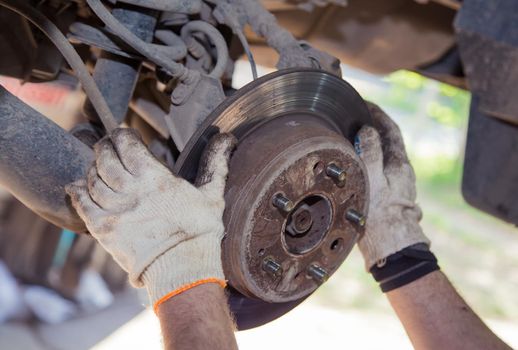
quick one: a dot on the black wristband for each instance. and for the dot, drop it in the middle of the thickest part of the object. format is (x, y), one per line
(404, 267)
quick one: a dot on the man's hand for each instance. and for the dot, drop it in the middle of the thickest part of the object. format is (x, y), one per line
(165, 232)
(397, 253)
(393, 220)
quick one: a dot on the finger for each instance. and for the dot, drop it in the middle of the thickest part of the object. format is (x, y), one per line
(107, 198)
(392, 141)
(85, 207)
(132, 152)
(109, 166)
(103, 195)
(213, 171)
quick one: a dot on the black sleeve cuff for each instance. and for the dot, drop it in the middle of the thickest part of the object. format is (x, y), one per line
(404, 267)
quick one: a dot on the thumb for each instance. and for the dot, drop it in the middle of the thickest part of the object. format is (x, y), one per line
(213, 170)
(393, 145)
(368, 147)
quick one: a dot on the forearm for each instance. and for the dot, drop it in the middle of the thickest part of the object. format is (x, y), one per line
(436, 317)
(396, 251)
(197, 319)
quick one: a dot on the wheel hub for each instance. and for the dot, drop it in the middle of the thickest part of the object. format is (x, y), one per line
(287, 157)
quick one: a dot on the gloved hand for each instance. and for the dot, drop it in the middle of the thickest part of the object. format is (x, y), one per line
(393, 219)
(165, 232)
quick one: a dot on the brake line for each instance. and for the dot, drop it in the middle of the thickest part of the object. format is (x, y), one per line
(176, 70)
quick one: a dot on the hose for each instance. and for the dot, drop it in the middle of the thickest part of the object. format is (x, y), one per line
(216, 38)
(241, 36)
(172, 40)
(228, 16)
(151, 52)
(70, 55)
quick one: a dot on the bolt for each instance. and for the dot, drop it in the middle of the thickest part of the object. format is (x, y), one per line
(355, 217)
(318, 273)
(272, 267)
(282, 203)
(336, 172)
(302, 221)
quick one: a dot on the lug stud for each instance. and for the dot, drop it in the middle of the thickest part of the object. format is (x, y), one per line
(335, 172)
(272, 267)
(318, 273)
(355, 217)
(282, 203)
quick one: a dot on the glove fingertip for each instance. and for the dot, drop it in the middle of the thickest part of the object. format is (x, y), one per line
(222, 144)
(132, 151)
(215, 158)
(123, 134)
(102, 143)
(367, 132)
(367, 141)
(78, 192)
(75, 186)
(70, 190)
(127, 141)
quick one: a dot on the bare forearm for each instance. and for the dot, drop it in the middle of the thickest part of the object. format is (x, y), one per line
(197, 319)
(436, 317)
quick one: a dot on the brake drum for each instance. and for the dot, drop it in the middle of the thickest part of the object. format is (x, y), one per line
(297, 193)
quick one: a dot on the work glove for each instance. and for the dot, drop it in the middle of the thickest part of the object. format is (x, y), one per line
(165, 232)
(393, 218)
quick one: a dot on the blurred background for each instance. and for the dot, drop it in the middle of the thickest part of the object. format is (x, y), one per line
(40, 310)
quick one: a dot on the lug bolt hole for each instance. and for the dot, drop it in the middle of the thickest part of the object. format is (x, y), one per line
(261, 252)
(318, 168)
(337, 245)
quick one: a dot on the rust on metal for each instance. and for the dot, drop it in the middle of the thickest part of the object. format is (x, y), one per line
(288, 156)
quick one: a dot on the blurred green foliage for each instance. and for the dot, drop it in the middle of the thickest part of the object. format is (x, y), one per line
(411, 93)
(438, 171)
(449, 106)
(403, 87)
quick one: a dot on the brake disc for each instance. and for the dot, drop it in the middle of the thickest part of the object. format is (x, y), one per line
(297, 193)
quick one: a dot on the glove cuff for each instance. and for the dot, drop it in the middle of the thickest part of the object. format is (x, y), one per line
(376, 254)
(171, 273)
(404, 267)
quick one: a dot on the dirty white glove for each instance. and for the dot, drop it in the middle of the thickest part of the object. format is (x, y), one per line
(393, 220)
(165, 232)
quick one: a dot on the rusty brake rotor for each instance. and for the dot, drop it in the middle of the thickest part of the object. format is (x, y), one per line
(296, 194)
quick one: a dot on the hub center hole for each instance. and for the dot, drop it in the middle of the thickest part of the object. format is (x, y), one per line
(307, 224)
